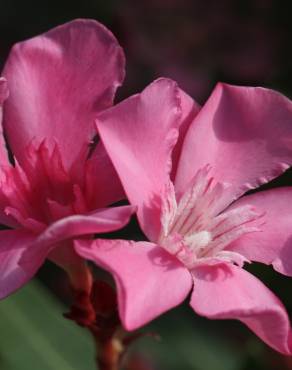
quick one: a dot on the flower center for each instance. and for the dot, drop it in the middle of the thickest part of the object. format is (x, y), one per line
(41, 191)
(198, 241)
(194, 230)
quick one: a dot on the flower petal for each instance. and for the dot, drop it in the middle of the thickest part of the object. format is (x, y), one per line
(4, 161)
(139, 135)
(273, 243)
(13, 274)
(102, 221)
(244, 134)
(4, 93)
(58, 81)
(189, 109)
(228, 292)
(102, 185)
(149, 280)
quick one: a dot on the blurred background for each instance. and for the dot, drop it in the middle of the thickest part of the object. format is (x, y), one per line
(196, 43)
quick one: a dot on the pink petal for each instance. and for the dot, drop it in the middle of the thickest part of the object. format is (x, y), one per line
(273, 244)
(139, 135)
(102, 221)
(149, 281)
(189, 109)
(58, 81)
(4, 161)
(228, 292)
(3, 96)
(244, 133)
(102, 185)
(13, 274)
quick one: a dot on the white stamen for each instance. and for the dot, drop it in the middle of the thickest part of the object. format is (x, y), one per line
(234, 257)
(199, 240)
(169, 209)
(196, 231)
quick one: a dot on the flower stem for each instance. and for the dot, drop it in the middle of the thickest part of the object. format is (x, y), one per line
(97, 311)
(109, 354)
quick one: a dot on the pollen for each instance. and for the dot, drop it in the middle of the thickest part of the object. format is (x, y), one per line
(198, 241)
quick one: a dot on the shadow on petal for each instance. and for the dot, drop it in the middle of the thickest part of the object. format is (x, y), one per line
(218, 272)
(162, 258)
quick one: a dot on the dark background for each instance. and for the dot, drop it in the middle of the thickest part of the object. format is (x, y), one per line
(194, 42)
(197, 43)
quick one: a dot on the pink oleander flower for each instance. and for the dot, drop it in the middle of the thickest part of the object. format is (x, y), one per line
(52, 87)
(186, 168)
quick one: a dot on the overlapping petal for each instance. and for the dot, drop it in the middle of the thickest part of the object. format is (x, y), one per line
(228, 292)
(4, 93)
(101, 221)
(14, 274)
(102, 185)
(23, 252)
(4, 161)
(149, 281)
(139, 135)
(189, 110)
(244, 134)
(58, 82)
(273, 243)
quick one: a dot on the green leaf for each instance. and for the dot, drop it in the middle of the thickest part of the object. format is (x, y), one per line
(34, 335)
(188, 343)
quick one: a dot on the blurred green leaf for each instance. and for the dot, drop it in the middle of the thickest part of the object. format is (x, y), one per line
(187, 343)
(35, 336)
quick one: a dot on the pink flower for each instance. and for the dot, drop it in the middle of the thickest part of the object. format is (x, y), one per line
(184, 166)
(59, 186)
